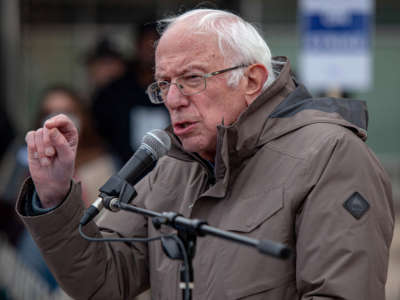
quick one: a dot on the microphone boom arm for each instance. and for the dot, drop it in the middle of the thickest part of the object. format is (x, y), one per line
(201, 228)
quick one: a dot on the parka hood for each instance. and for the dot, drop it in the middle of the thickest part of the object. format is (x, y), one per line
(286, 106)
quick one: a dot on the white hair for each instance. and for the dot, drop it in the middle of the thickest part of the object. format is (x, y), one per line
(238, 41)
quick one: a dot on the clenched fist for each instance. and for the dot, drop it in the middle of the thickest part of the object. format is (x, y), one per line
(51, 157)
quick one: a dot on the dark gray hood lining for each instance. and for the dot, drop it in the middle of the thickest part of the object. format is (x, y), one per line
(353, 111)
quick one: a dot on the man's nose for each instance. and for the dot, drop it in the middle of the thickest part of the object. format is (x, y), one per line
(175, 98)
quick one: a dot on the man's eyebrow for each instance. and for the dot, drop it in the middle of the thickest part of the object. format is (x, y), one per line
(157, 76)
(183, 70)
(192, 67)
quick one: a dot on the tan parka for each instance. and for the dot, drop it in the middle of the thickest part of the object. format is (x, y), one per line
(291, 169)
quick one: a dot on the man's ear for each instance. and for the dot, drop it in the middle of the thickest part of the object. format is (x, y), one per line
(256, 76)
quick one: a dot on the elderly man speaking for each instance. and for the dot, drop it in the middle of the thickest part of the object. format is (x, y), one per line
(252, 153)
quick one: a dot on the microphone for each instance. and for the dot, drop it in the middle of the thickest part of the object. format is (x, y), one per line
(155, 144)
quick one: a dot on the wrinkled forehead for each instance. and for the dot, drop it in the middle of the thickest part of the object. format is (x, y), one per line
(179, 47)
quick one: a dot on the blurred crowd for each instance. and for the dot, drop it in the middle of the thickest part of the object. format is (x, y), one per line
(111, 124)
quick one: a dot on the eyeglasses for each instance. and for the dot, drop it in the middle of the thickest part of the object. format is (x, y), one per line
(188, 85)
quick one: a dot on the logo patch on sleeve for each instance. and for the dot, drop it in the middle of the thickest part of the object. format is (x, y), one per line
(356, 205)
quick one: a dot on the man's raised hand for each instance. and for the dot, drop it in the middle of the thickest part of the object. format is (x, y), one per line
(51, 157)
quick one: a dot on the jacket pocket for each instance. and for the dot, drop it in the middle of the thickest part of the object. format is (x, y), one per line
(247, 273)
(249, 212)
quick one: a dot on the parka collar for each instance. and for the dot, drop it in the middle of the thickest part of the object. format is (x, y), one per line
(241, 139)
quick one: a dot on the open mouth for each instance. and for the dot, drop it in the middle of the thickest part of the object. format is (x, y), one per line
(183, 125)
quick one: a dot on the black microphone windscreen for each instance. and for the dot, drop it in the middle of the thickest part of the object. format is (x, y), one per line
(157, 141)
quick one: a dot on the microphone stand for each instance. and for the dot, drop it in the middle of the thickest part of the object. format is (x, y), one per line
(188, 230)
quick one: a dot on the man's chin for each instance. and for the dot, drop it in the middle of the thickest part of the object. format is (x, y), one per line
(190, 146)
(197, 148)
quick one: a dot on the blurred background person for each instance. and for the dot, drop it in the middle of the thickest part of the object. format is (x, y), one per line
(121, 110)
(104, 63)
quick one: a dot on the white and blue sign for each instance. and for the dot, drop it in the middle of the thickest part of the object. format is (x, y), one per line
(336, 44)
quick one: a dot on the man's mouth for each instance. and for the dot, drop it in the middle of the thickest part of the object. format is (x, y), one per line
(183, 125)
(181, 128)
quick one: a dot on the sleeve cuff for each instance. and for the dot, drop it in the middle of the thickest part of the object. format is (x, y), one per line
(37, 206)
